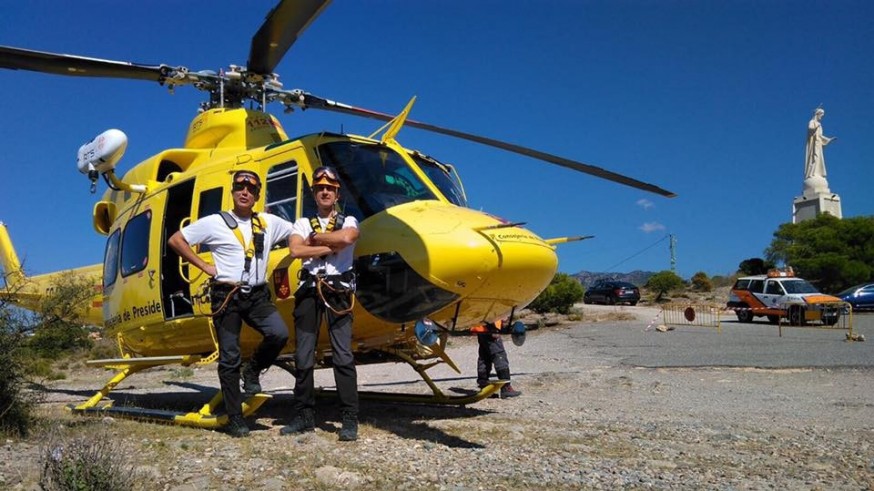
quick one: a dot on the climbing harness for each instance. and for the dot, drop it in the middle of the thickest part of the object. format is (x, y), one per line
(256, 243)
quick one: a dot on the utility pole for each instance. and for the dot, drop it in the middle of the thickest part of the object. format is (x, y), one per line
(673, 253)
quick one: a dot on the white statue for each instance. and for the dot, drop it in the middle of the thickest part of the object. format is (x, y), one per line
(814, 162)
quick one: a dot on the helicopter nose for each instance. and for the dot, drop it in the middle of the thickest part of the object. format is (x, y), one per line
(415, 259)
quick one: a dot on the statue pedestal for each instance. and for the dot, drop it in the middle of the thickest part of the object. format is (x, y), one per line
(808, 206)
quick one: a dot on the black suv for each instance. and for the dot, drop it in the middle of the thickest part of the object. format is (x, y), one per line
(612, 292)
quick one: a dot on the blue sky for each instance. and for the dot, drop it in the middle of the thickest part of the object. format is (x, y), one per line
(707, 99)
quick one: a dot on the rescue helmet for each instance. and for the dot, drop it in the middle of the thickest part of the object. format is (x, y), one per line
(247, 179)
(326, 176)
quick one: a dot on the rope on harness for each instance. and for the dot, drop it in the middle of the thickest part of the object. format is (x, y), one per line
(206, 293)
(320, 281)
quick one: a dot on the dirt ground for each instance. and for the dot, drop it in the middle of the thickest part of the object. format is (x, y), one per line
(606, 404)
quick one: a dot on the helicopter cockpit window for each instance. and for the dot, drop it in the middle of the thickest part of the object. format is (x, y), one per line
(110, 259)
(373, 177)
(281, 198)
(443, 177)
(135, 244)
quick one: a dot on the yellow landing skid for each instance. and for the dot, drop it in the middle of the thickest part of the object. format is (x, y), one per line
(436, 397)
(203, 418)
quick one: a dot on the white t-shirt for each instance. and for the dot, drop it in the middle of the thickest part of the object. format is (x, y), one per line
(332, 264)
(228, 253)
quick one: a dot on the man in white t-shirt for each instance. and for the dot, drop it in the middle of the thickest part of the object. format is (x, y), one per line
(325, 244)
(240, 241)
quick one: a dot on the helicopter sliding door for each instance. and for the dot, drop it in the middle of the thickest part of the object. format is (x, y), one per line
(175, 295)
(186, 202)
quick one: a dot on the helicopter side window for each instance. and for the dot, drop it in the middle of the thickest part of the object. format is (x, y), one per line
(110, 259)
(309, 203)
(281, 196)
(135, 244)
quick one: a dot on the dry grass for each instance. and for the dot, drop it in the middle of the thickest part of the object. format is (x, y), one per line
(73, 459)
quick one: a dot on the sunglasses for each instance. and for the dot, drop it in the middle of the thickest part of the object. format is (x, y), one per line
(246, 184)
(318, 188)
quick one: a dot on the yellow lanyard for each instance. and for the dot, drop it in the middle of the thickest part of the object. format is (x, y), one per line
(249, 250)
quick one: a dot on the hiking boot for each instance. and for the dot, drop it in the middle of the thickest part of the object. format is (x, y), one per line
(508, 391)
(237, 426)
(349, 431)
(251, 380)
(304, 421)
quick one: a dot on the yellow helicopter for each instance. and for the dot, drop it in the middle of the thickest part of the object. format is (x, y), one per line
(426, 263)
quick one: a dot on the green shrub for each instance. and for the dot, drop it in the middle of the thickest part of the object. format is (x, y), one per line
(701, 282)
(15, 406)
(561, 294)
(57, 325)
(52, 341)
(102, 349)
(830, 252)
(54, 330)
(36, 367)
(91, 462)
(663, 282)
(754, 266)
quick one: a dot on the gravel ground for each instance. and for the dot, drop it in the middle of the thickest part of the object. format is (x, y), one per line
(604, 405)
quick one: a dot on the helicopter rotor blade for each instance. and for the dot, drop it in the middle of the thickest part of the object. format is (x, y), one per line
(80, 66)
(311, 101)
(283, 25)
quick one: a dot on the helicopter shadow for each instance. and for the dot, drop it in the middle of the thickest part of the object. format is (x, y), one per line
(405, 420)
(42, 389)
(185, 400)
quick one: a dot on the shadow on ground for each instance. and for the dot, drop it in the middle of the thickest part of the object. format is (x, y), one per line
(405, 420)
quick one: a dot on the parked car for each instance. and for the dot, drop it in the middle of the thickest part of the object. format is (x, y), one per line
(612, 292)
(779, 294)
(861, 297)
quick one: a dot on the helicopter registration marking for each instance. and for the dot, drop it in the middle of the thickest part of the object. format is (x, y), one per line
(260, 122)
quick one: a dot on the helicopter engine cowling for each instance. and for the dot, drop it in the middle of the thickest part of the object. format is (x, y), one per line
(102, 153)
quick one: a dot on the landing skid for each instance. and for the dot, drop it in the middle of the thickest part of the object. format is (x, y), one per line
(205, 417)
(436, 397)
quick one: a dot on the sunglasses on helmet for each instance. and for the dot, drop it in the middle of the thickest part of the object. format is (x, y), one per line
(325, 172)
(247, 182)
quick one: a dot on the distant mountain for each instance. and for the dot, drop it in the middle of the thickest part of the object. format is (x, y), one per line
(638, 278)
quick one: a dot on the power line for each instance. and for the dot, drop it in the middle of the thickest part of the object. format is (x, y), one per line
(638, 253)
